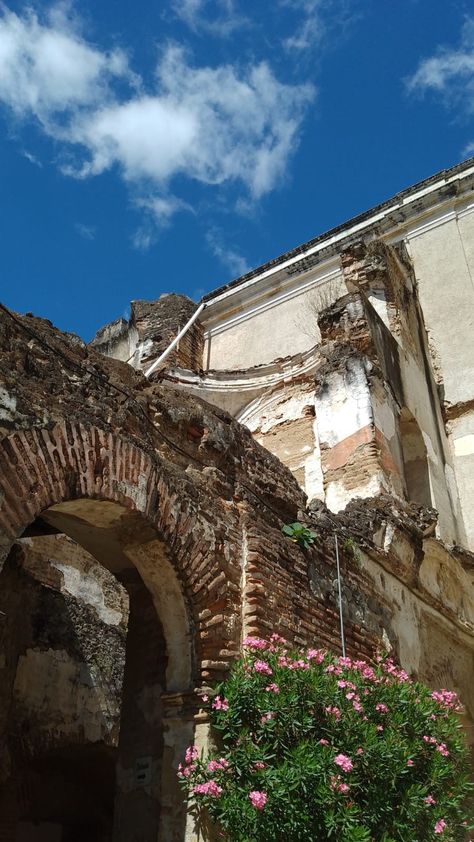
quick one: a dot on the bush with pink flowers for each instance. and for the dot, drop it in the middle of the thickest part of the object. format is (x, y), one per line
(316, 747)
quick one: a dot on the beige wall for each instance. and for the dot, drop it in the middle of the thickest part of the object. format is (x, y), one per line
(276, 330)
(443, 259)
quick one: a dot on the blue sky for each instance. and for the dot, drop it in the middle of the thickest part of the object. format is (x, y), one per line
(154, 147)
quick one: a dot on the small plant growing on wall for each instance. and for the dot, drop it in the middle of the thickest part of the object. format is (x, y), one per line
(351, 547)
(300, 534)
(316, 747)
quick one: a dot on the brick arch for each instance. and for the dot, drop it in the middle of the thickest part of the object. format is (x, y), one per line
(43, 467)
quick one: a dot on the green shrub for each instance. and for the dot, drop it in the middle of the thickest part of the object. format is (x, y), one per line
(316, 747)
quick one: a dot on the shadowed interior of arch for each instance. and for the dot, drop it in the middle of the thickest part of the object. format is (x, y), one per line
(95, 635)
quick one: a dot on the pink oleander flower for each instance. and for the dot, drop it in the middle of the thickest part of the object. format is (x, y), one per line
(429, 800)
(299, 665)
(379, 727)
(209, 788)
(220, 704)
(341, 683)
(283, 661)
(259, 764)
(258, 799)
(192, 754)
(276, 638)
(447, 698)
(440, 826)
(186, 771)
(360, 751)
(255, 643)
(323, 742)
(316, 655)
(410, 763)
(350, 695)
(442, 748)
(218, 765)
(263, 668)
(333, 711)
(266, 717)
(339, 786)
(344, 762)
(381, 707)
(272, 688)
(345, 662)
(357, 706)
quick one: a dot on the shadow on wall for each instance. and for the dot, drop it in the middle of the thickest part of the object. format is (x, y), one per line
(82, 714)
(415, 460)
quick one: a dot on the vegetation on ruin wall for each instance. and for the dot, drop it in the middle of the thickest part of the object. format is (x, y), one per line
(319, 747)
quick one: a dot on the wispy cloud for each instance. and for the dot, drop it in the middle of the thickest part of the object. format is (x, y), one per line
(214, 17)
(214, 125)
(158, 212)
(310, 27)
(449, 72)
(87, 232)
(31, 158)
(228, 256)
(315, 21)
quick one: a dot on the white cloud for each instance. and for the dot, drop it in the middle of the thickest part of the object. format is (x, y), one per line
(311, 27)
(47, 69)
(214, 125)
(450, 71)
(87, 232)
(215, 17)
(31, 158)
(229, 257)
(158, 213)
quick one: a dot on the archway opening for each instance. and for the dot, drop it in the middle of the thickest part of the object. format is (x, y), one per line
(415, 460)
(94, 635)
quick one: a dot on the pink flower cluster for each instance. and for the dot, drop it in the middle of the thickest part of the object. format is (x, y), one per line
(220, 765)
(209, 788)
(272, 688)
(381, 708)
(331, 710)
(344, 762)
(392, 670)
(220, 704)
(316, 655)
(255, 643)
(258, 799)
(263, 668)
(440, 826)
(289, 663)
(259, 764)
(447, 698)
(441, 747)
(339, 786)
(429, 800)
(190, 756)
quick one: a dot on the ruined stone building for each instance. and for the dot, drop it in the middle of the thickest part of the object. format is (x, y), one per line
(140, 516)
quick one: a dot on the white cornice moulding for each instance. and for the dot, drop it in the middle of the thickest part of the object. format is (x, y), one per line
(404, 205)
(297, 289)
